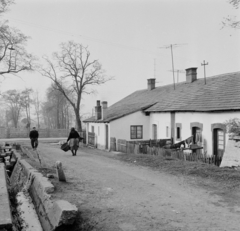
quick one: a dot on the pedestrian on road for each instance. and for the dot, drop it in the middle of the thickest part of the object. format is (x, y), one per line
(73, 139)
(33, 135)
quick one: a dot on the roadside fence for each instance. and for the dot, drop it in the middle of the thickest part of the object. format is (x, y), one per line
(142, 147)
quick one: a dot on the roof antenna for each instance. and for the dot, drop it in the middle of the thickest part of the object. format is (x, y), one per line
(154, 68)
(171, 46)
(204, 64)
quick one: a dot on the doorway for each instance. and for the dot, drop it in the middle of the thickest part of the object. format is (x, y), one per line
(154, 127)
(197, 135)
(218, 145)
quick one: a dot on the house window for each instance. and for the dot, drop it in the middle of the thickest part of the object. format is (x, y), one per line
(167, 131)
(92, 129)
(178, 131)
(154, 126)
(136, 132)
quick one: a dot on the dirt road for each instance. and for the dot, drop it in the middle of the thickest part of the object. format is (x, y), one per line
(117, 196)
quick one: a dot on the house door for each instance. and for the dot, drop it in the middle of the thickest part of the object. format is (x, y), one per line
(106, 128)
(218, 145)
(154, 131)
(197, 135)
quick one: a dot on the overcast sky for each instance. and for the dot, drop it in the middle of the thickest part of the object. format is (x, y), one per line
(126, 36)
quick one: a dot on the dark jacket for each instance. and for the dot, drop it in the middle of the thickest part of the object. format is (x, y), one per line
(33, 134)
(73, 134)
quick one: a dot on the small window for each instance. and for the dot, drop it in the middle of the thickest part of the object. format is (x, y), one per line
(178, 133)
(167, 131)
(92, 129)
(136, 132)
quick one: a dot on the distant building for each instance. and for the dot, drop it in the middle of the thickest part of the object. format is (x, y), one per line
(193, 108)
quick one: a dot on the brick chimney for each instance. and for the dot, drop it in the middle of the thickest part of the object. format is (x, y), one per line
(191, 74)
(98, 111)
(151, 84)
(104, 107)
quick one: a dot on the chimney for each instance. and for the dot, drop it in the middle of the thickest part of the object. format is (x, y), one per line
(104, 107)
(98, 111)
(191, 74)
(151, 84)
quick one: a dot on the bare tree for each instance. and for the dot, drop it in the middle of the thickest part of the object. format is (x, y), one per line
(13, 55)
(13, 100)
(26, 102)
(232, 21)
(73, 73)
(37, 106)
(4, 5)
(56, 111)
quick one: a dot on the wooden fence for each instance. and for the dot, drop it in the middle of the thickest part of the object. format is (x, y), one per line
(131, 147)
(122, 145)
(152, 143)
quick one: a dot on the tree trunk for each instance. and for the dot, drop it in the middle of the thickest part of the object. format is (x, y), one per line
(78, 120)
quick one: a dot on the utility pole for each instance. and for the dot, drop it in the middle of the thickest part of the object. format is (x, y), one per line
(171, 47)
(154, 68)
(173, 67)
(204, 64)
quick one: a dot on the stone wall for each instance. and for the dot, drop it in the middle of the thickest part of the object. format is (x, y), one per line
(52, 214)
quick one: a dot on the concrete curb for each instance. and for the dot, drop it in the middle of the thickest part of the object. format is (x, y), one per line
(51, 214)
(5, 212)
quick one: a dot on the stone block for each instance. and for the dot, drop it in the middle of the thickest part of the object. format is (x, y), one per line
(62, 213)
(60, 172)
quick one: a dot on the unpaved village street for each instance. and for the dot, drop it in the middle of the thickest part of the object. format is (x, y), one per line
(113, 195)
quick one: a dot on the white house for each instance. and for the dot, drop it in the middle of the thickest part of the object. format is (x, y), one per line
(193, 107)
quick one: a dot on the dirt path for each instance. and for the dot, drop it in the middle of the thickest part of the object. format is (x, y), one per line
(113, 195)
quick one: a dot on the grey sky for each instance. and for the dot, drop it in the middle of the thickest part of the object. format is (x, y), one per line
(125, 36)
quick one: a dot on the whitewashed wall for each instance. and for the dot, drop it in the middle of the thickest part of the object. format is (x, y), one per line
(120, 128)
(100, 132)
(207, 119)
(186, 118)
(162, 120)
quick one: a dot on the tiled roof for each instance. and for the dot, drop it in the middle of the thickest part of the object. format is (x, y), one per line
(221, 93)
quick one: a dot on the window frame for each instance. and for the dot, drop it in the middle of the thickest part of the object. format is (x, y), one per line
(178, 128)
(154, 131)
(136, 132)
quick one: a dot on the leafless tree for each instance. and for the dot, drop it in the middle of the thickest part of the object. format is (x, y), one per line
(232, 21)
(4, 5)
(37, 106)
(13, 100)
(26, 102)
(74, 73)
(13, 56)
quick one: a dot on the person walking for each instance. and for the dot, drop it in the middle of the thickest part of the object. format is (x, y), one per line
(74, 139)
(33, 135)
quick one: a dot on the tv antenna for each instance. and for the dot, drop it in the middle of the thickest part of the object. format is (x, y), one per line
(171, 46)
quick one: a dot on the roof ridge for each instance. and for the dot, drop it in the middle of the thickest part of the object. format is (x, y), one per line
(210, 77)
